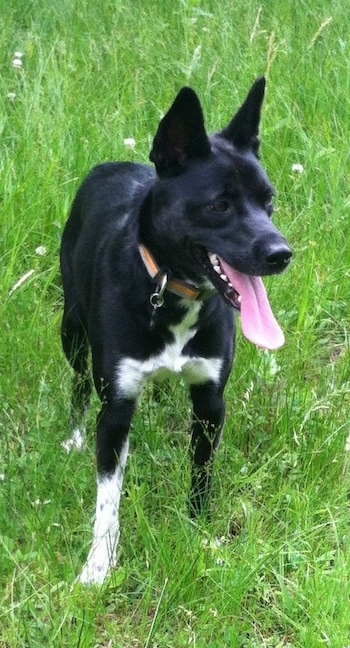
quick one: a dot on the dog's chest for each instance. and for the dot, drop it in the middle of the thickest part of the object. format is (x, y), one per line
(131, 373)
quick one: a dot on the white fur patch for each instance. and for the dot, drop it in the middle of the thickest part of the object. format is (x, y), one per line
(102, 554)
(131, 374)
(76, 441)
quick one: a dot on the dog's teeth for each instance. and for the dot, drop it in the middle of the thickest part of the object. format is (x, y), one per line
(230, 284)
(224, 278)
(239, 299)
(213, 259)
(217, 269)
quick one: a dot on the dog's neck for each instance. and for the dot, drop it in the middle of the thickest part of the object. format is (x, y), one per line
(161, 276)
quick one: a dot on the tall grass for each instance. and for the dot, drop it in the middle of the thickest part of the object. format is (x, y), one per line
(92, 75)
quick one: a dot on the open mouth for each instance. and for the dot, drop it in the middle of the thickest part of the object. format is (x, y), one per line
(222, 282)
(247, 294)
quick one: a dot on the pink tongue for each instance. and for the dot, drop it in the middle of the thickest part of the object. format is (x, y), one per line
(258, 322)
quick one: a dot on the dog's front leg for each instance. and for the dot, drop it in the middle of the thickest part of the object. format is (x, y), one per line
(208, 418)
(112, 451)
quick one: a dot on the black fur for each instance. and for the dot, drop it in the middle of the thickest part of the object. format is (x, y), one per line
(206, 194)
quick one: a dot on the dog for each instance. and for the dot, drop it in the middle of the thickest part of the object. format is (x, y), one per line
(155, 261)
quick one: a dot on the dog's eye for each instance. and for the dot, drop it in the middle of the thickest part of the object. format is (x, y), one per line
(269, 206)
(220, 206)
(267, 199)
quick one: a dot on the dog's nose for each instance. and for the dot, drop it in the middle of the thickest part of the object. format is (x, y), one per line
(278, 256)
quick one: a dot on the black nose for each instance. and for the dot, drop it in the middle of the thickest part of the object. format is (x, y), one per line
(278, 256)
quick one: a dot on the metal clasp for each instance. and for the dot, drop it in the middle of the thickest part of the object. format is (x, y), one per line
(157, 299)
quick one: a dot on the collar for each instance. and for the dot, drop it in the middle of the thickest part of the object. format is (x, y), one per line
(160, 277)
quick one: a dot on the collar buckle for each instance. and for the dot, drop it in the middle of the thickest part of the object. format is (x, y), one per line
(160, 276)
(157, 299)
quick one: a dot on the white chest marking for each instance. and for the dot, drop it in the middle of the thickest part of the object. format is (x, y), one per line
(131, 373)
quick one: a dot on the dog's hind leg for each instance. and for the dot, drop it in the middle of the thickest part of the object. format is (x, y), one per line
(207, 422)
(76, 349)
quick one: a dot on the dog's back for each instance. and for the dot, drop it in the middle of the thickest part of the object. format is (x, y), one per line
(107, 199)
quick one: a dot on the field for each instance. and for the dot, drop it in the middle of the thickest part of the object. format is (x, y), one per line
(272, 568)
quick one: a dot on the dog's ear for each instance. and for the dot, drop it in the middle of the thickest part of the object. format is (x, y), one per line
(243, 129)
(180, 136)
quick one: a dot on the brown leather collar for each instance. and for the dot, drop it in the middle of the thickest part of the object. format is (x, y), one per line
(159, 276)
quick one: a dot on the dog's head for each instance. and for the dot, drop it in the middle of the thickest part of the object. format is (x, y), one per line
(212, 206)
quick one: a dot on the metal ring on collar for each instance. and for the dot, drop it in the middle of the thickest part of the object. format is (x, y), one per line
(157, 299)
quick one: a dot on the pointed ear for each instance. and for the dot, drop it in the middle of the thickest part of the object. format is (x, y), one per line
(180, 136)
(243, 129)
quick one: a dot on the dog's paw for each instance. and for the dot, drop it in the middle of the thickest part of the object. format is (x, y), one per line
(76, 441)
(92, 574)
(99, 563)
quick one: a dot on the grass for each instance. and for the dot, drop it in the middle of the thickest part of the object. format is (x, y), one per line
(94, 74)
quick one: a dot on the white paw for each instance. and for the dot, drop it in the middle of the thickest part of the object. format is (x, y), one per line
(99, 563)
(93, 574)
(76, 441)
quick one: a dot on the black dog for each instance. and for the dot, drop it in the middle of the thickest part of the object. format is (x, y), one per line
(154, 263)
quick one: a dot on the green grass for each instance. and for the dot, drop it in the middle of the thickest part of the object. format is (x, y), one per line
(92, 75)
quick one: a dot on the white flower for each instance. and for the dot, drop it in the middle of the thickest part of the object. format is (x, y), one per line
(297, 168)
(11, 96)
(18, 55)
(130, 143)
(17, 63)
(40, 250)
